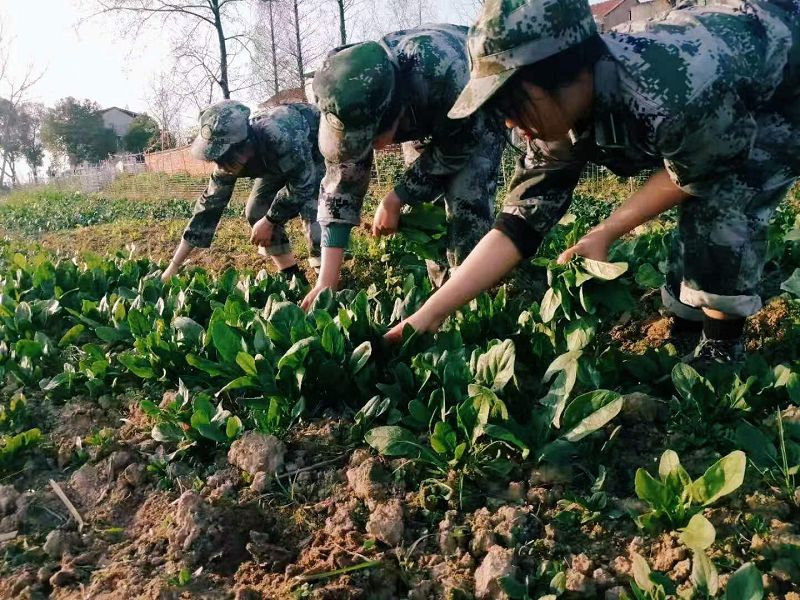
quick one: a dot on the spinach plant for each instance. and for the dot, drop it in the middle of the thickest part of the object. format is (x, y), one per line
(674, 498)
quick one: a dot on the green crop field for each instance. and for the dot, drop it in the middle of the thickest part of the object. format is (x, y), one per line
(212, 440)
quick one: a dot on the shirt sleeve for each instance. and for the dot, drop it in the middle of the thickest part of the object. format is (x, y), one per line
(343, 190)
(208, 209)
(451, 145)
(541, 192)
(704, 142)
(296, 163)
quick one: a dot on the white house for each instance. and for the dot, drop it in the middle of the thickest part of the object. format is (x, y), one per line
(119, 120)
(612, 13)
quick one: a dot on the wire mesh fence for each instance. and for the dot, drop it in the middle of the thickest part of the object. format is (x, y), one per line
(175, 175)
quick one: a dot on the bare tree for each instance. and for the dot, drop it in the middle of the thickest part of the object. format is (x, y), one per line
(298, 25)
(271, 27)
(204, 30)
(16, 121)
(273, 44)
(165, 106)
(347, 10)
(298, 46)
(408, 13)
(468, 10)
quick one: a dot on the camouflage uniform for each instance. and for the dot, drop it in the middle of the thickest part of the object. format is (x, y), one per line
(426, 70)
(711, 94)
(287, 169)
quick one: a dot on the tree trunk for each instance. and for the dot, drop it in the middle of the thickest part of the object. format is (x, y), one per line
(300, 64)
(223, 51)
(342, 23)
(276, 86)
(3, 169)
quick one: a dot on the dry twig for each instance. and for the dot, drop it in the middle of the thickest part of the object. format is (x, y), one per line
(70, 506)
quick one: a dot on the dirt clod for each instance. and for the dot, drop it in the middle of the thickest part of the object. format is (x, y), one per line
(260, 482)
(8, 499)
(602, 578)
(386, 522)
(133, 474)
(367, 480)
(88, 484)
(256, 452)
(268, 554)
(64, 577)
(580, 584)
(45, 572)
(482, 540)
(497, 564)
(582, 564)
(621, 566)
(448, 540)
(58, 543)
(666, 553)
(194, 535)
(682, 570)
(119, 460)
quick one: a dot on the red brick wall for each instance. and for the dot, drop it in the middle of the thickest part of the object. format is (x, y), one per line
(176, 161)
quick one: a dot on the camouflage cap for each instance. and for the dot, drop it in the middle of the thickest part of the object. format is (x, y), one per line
(510, 34)
(353, 88)
(221, 126)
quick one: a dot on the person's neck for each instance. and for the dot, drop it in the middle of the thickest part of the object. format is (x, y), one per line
(578, 98)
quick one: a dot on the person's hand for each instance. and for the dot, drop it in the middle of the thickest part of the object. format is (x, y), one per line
(262, 232)
(395, 335)
(168, 273)
(420, 322)
(308, 301)
(594, 245)
(387, 216)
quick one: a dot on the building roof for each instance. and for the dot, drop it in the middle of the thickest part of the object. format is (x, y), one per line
(289, 96)
(603, 9)
(130, 113)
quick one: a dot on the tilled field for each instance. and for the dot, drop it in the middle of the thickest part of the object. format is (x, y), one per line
(206, 439)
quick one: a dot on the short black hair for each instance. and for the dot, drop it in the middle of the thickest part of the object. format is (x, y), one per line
(563, 68)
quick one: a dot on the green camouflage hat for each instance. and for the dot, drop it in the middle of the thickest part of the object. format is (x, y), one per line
(221, 126)
(511, 34)
(353, 88)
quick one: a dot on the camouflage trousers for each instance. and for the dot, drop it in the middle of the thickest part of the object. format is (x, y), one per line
(257, 207)
(469, 199)
(720, 249)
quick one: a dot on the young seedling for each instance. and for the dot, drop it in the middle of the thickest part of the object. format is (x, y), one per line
(674, 498)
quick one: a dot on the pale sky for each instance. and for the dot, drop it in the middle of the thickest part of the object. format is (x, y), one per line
(84, 60)
(89, 59)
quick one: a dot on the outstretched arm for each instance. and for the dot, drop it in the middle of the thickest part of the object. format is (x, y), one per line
(493, 257)
(658, 195)
(203, 224)
(341, 196)
(332, 259)
(182, 252)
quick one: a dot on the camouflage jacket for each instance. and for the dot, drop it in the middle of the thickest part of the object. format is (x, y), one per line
(684, 93)
(432, 69)
(287, 159)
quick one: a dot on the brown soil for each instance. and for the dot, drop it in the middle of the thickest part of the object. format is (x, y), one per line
(770, 331)
(332, 513)
(158, 241)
